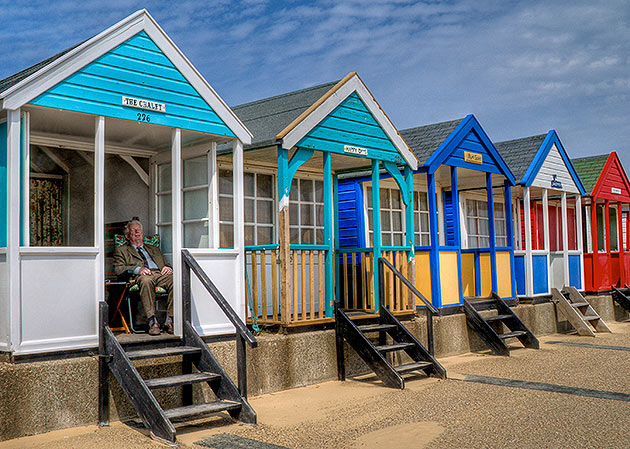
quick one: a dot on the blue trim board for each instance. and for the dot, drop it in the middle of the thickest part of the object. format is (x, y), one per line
(575, 275)
(519, 274)
(3, 185)
(510, 231)
(328, 238)
(540, 273)
(456, 142)
(138, 69)
(551, 139)
(491, 231)
(434, 256)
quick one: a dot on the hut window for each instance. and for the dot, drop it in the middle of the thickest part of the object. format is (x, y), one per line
(477, 226)
(614, 240)
(164, 211)
(306, 212)
(392, 221)
(259, 208)
(421, 219)
(196, 230)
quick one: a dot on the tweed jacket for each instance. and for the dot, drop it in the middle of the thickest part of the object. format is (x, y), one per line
(127, 258)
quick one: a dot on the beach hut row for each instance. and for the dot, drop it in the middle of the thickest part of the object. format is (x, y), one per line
(288, 202)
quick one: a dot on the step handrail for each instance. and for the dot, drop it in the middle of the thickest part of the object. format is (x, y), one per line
(190, 264)
(431, 310)
(411, 287)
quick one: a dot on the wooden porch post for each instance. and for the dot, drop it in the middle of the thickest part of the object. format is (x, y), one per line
(283, 234)
(176, 216)
(607, 225)
(376, 224)
(491, 231)
(434, 254)
(579, 237)
(529, 277)
(457, 229)
(13, 226)
(409, 234)
(328, 227)
(509, 230)
(25, 166)
(594, 243)
(622, 262)
(546, 245)
(99, 207)
(565, 240)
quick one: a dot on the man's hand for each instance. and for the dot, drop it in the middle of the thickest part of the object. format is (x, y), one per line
(144, 270)
(166, 270)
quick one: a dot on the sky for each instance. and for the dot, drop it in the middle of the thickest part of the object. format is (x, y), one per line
(521, 67)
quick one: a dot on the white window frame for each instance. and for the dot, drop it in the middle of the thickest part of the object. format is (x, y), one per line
(368, 213)
(464, 219)
(296, 204)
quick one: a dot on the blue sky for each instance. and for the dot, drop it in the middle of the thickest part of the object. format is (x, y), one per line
(521, 67)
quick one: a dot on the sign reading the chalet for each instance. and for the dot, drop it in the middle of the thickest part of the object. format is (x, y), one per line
(473, 158)
(143, 104)
(615, 190)
(355, 150)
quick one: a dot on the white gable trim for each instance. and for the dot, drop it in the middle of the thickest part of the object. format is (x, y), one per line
(554, 165)
(50, 75)
(354, 84)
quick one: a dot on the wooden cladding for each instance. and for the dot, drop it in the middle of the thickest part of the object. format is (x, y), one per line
(305, 302)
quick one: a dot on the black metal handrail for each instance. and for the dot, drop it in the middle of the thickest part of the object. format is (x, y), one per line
(243, 335)
(431, 310)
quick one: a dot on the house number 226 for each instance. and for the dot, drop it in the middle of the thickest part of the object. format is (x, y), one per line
(142, 117)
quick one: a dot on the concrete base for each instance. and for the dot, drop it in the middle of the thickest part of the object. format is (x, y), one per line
(37, 397)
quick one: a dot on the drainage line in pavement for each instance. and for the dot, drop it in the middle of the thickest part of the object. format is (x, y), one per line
(547, 387)
(588, 345)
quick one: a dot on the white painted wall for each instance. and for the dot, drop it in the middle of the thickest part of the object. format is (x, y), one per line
(554, 165)
(556, 270)
(225, 269)
(58, 300)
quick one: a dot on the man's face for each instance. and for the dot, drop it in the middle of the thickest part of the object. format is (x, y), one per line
(136, 234)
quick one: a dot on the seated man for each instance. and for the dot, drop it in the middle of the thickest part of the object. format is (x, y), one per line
(147, 263)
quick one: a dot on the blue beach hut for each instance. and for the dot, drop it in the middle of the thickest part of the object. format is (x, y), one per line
(547, 215)
(462, 223)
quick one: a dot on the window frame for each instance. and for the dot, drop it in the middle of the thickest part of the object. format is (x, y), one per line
(465, 235)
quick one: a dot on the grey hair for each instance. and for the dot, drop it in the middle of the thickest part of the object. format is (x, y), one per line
(134, 220)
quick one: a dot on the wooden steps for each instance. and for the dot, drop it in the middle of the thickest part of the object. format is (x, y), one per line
(375, 354)
(483, 326)
(621, 298)
(578, 311)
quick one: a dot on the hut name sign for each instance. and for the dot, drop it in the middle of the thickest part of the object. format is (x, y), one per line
(615, 190)
(473, 158)
(147, 105)
(355, 150)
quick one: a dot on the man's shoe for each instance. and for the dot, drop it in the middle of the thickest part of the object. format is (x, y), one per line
(168, 325)
(154, 329)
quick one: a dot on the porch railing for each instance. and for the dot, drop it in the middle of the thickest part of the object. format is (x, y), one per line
(356, 280)
(305, 300)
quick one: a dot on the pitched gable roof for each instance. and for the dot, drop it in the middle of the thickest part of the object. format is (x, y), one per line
(425, 140)
(266, 118)
(519, 153)
(589, 169)
(21, 88)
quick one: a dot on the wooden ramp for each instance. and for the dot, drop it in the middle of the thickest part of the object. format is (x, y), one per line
(483, 326)
(578, 311)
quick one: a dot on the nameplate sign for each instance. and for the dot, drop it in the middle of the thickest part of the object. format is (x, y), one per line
(473, 158)
(555, 184)
(355, 150)
(147, 105)
(615, 190)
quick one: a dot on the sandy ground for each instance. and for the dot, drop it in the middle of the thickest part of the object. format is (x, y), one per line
(563, 395)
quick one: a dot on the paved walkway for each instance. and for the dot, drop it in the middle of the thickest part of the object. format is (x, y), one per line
(573, 392)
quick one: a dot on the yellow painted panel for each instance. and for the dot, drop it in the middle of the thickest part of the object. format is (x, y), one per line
(423, 276)
(449, 278)
(468, 274)
(504, 275)
(485, 268)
